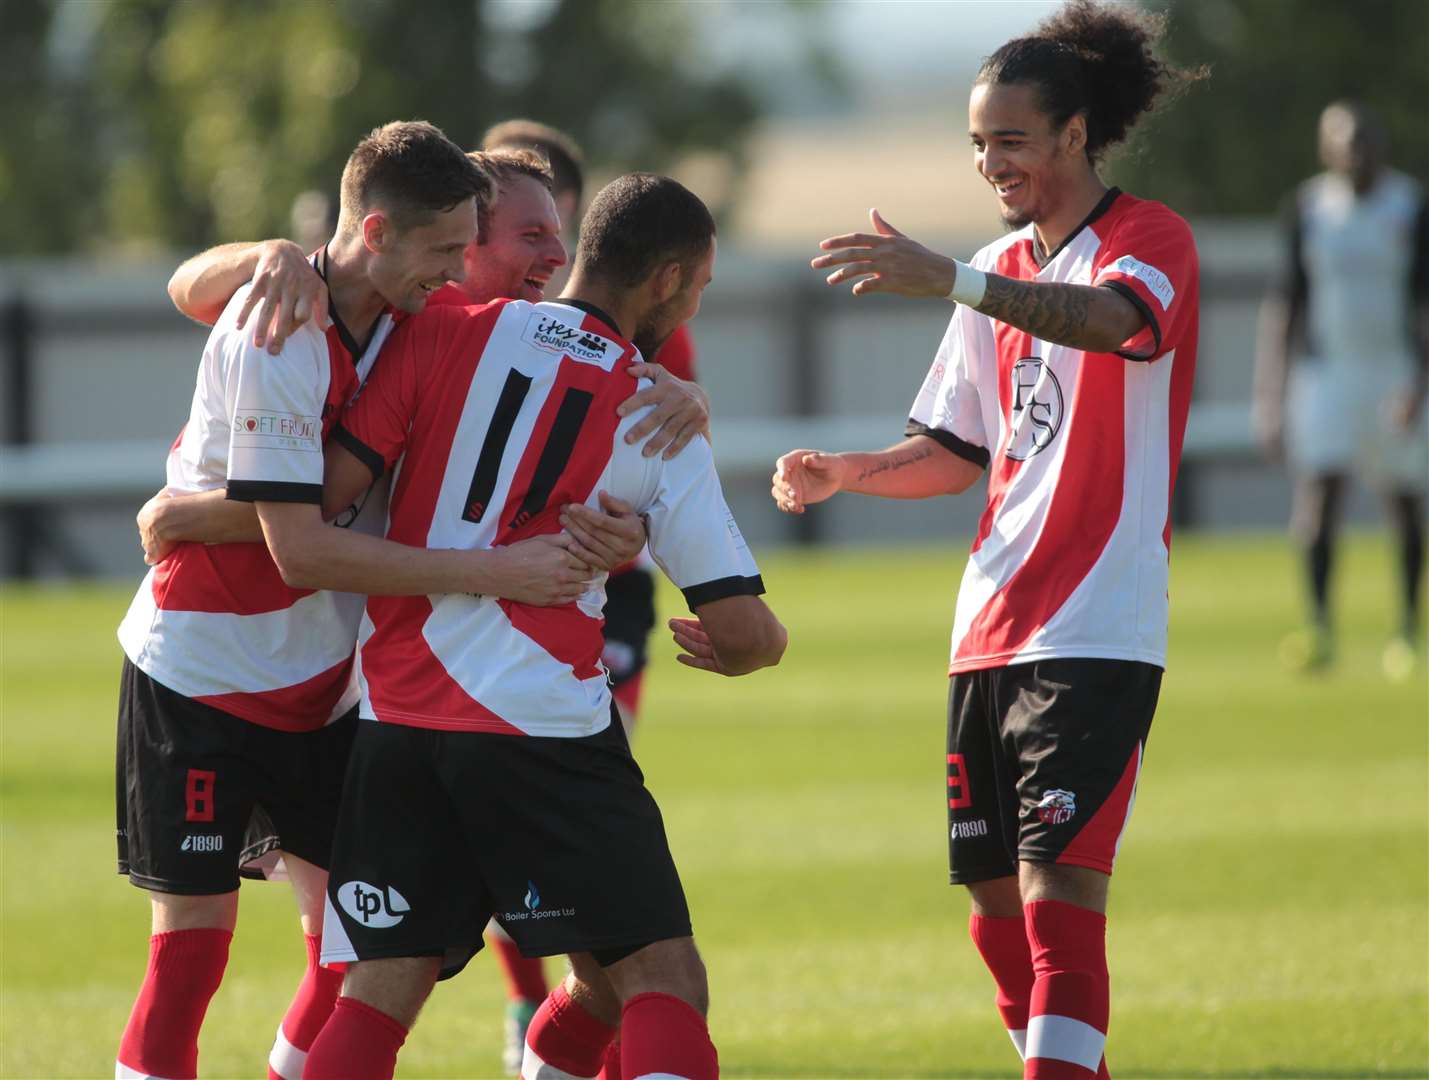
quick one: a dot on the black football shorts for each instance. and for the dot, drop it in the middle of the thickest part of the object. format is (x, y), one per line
(1042, 763)
(190, 779)
(558, 839)
(629, 618)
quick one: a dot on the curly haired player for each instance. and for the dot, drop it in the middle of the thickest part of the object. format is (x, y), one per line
(1065, 375)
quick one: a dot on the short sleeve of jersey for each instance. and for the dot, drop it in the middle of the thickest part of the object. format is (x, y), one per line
(374, 427)
(275, 405)
(947, 408)
(1151, 260)
(693, 535)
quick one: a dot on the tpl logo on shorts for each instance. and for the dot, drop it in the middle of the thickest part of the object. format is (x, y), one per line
(372, 905)
(1057, 807)
(201, 843)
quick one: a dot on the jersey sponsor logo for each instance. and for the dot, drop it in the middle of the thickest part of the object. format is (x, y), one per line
(731, 525)
(1159, 284)
(1037, 408)
(263, 430)
(935, 378)
(966, 830)
(532, 903)
(375, 906)
(551, 334)
(202, 844)
(1057, 807)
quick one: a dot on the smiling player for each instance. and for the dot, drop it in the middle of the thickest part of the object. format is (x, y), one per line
(1065, 374)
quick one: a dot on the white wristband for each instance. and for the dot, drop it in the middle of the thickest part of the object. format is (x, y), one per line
(968, 286)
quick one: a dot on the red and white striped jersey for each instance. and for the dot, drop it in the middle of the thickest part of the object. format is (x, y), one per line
(1071, 554)
(501, 415)
(215, 622)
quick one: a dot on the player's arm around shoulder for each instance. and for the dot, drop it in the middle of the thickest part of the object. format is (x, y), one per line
(284, 288)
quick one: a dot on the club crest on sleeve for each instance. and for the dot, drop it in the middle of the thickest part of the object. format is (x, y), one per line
(1057, 807)
(547, 332)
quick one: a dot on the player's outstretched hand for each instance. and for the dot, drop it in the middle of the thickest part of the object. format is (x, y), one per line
(286, 293)
(151, 535)
(805, 477)
(697, 651)
(604, 540)
(682, 411)
(885, 261)
(541, 571)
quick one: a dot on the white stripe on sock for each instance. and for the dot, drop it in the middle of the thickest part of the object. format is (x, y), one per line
(660, 1076)
(1060, 1038)
(533, 1068)
(1019, 1040)
(285, 1059)
(124, 1072)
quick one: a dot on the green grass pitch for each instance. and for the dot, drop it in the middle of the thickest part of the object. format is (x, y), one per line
(1268, 913)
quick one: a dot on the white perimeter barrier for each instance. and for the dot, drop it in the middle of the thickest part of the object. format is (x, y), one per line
(134, 468)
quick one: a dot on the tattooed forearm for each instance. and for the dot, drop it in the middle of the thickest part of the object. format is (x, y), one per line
(1079, 316)
(900, 461)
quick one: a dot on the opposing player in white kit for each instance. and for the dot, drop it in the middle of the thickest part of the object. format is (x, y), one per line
(237, 689)
(493, 737)
(1065, 373)
(1351, 310)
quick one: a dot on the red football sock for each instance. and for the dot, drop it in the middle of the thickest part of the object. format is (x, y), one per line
(525, 976)
(358, 1042)
(661, 1034)
(1002, 942)
(1071, 998)
(566, 1036)
(610, 1067)
(311, 1006)
(185, 968)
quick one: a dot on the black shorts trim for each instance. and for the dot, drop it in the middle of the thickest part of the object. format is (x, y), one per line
(722, 588)
(360, 450)
(978, 455)
(284, 491)
(1121, 288)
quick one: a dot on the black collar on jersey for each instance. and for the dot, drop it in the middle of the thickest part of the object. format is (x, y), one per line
(349, 342)
(1097, 211)
(591, 309)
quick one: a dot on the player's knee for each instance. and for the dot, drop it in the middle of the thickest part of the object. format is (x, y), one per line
(671, 967)
(173, 911)
(590, 988)
(397, 986)
(1078, 885)
(998, 898)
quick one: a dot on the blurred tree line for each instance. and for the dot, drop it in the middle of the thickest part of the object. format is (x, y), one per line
(163, 123)
(1236, 142)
